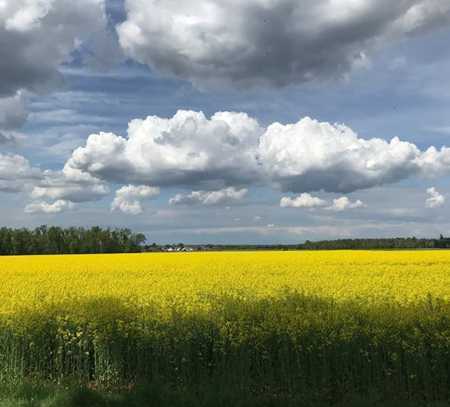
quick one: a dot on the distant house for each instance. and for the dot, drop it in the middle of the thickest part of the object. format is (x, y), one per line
(178, 248)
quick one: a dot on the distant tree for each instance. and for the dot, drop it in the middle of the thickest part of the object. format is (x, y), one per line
(371, 244)
(56, 240)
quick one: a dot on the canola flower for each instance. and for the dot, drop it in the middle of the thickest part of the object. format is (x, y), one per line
(308, 322)
(189, 278)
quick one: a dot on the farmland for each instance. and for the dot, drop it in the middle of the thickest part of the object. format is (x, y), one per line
(320, 324)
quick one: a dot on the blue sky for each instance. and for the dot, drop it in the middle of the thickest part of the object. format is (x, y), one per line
(380, 70)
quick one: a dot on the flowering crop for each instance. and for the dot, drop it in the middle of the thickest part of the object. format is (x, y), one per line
(189, 278)
(294, 321)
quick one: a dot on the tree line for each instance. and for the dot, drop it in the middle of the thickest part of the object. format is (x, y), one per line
(74, 240)
(79, 240)
(374, 244)
(396, 243)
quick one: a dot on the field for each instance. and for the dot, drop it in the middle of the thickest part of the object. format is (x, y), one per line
(317, 324)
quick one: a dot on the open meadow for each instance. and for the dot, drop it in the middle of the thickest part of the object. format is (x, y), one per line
(317, 324)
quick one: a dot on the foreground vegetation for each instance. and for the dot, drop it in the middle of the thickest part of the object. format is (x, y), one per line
(310, 326)
(160, 395)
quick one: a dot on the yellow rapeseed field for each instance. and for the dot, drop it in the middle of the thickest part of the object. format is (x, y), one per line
(292, 322)
(189, 278)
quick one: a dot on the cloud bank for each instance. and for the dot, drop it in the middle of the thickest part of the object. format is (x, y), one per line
(218, 158)
(310, 156)
(37, 36)
(187, 149)
(232, 149)
(268, 42)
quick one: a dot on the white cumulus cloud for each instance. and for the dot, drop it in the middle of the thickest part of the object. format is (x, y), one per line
(304, 200)
(129, 198)
(220, 197)
(49, 208)
(190, 150)
(187, 149)
(435, 199)
(311, 155)
(343, 203)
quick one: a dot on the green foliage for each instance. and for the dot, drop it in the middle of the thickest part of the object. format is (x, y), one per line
(56, 240)
(377, 244)
(158, 395)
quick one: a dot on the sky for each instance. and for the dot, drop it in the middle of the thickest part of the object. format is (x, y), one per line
(212, 121)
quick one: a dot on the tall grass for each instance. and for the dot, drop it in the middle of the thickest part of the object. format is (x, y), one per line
(157, 395)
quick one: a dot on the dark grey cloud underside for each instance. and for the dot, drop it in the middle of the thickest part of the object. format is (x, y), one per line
(279, 45)
(19, 70)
